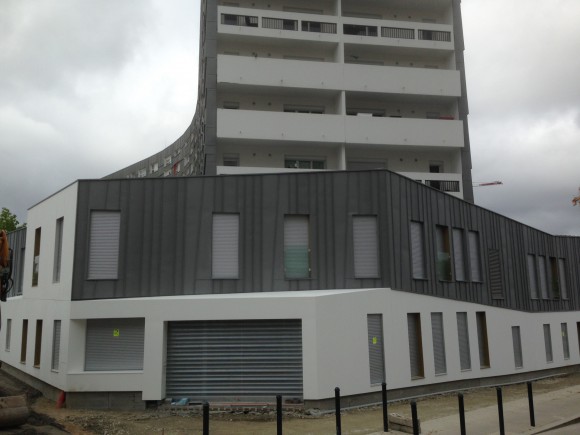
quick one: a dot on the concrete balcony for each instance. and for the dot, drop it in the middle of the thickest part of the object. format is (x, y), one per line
(236, 170)
(448, 183)
(335, 76)
(298, 127)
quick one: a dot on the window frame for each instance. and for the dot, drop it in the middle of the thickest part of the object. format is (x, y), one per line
(286, 259)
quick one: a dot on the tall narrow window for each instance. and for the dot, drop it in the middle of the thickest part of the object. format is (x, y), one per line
(225, 246)
(495, 274)
(8, 334)
(562, 273)
(24, 342)
(474, 257)
(484, 361)
(418, 251)
(578, 333)
(463, 337)
(296, 247)
(365, 246)
(532, 276)
(565, 343)
(38, 343)
(56, 346)
(543, 276)
(443, 254)
(104, 244)
(438, 343)
(415, 345)
(36, 259)
(459, 254)
(57, 250)
(548, 343)
(376, 350)
(554, 278)
(517, 342)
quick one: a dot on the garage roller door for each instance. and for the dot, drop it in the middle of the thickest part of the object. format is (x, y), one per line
(234, 360)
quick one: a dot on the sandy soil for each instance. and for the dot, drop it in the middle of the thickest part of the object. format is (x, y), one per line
(50, 420)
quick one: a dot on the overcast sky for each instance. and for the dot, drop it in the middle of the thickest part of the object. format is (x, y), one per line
(90, 86)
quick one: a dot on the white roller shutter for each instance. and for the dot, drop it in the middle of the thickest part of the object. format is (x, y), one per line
(296, 247)
(104, 244)
(56, 345)
(365, 244)
(438, 343)
(225, 246)
(234, 359)
(463, 337)
(114, 344)
(417, 251)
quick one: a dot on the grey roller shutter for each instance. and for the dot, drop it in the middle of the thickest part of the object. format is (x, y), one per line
(296, 247)
(474, 257)
(463, 337)
(376, 349)
(417, 251)
(8, 333)
(548, 343)
(114, 344)
(532, 276)
(225, 246)
(415, 345)
(517, 342)
(56, 345)
(438, 343)
(104, 244)
(562, 273)
(234, 360)
(565, 343)
(495, 274)
(458, 254)
(482, 341)
(543, 276)
(365, 243)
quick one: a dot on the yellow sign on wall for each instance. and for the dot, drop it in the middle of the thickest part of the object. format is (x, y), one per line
(116, 332)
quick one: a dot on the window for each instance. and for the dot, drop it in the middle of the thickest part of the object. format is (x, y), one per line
(438, 343)
(459, 254)
(36, 263)
(474, 257)
(154, 167)
(376, 352)
(142, 173)
(167, 161)
(517, 342)
(415, 345)
(463, 337)
(554, 278)
(565, 343)
(38, 343)
(104, 244)
(548, 343)
(562, 273)
(533, 276)
(8, 334)
(304, 163)
(495, 274)
(225, 246)
(24, 342)
(578, 333)
(57, 250)
(484, 361)
(56, 346)
(443, 254)
(365, 246)
(434, 35)
(418, 251)
(543, 276)
(296, 247)
(114, 344)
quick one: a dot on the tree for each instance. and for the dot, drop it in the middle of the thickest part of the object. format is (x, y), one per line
(8, 221)
(576, 200)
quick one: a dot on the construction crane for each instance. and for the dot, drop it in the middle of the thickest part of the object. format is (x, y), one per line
(489, 183)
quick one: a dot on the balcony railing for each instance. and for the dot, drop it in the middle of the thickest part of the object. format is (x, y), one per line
(280, 24)
(398, 33)
(239, 20)
(359, 30)
(443, 186)
(315, 26)
(434, 35)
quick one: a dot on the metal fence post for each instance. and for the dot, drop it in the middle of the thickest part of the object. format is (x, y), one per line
(461, 414)
(500, 411)
(414, 417)
(205, 418)
(279, 414)
(531, 404)
(337, 410)
(385, 410)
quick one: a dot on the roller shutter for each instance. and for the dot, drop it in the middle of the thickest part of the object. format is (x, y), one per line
(517, 342)
(364, 229)
(56, 346)
(458, 254)
(463, 337)
(225, 246)
(417, 251)
(114, 344)
(234, 360)
(104, 244)
(438, 343)
(376, 351)
(296, 247)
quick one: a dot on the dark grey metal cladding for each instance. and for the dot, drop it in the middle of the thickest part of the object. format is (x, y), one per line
(17, 242)
(166, 228)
